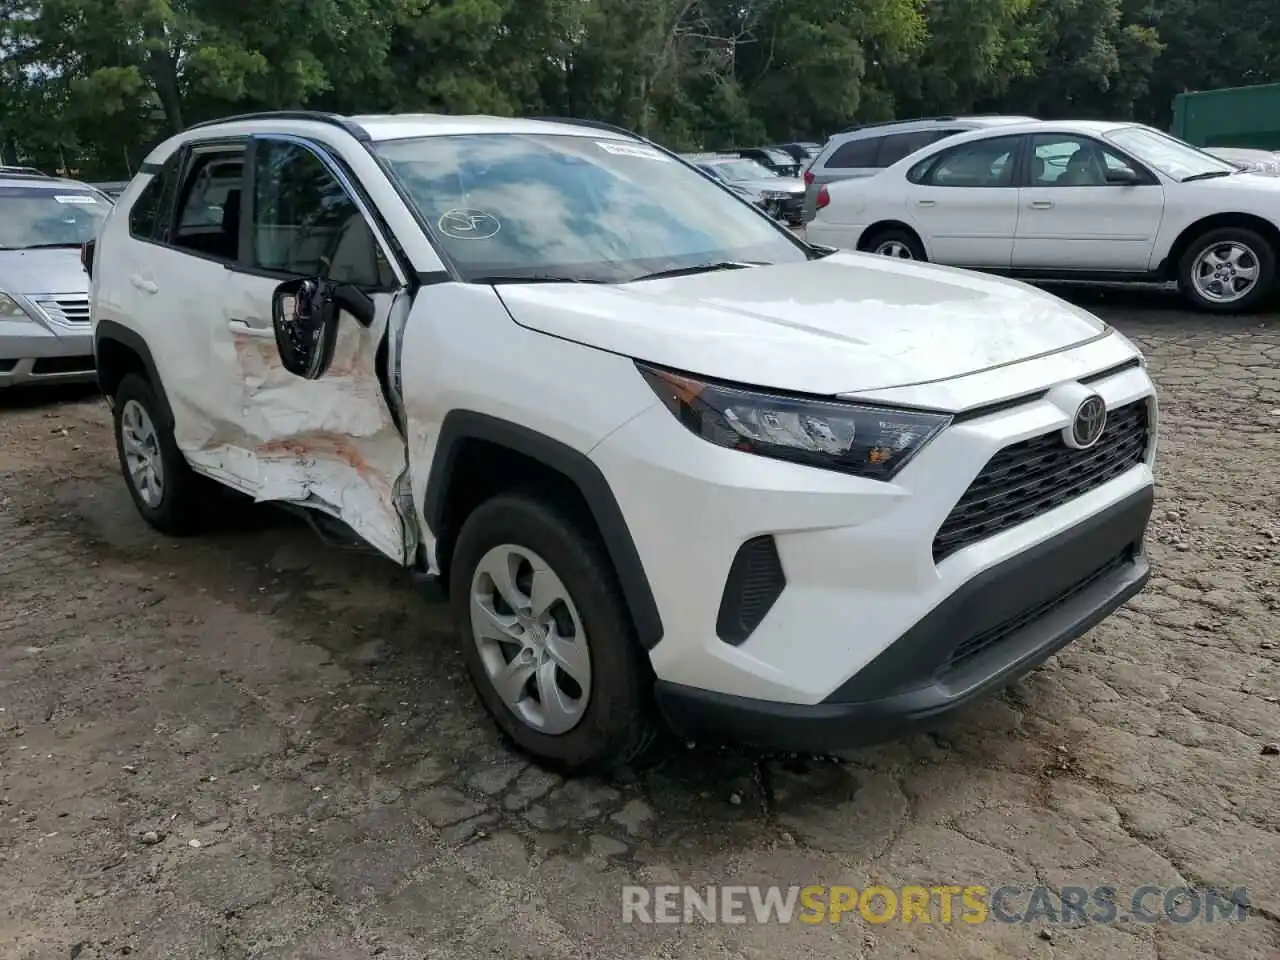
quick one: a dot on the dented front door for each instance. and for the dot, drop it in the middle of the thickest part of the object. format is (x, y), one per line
(333, 443)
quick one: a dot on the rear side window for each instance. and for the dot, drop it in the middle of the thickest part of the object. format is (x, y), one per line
(855, 153)
(895, 147)
(147, 210)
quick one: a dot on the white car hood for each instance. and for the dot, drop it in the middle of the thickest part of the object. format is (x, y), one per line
(847, 323)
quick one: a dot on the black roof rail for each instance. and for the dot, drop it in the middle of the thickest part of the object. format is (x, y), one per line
(890, 123)
(316, 116)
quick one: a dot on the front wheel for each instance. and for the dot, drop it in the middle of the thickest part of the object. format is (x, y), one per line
(547, 638)
(1229, 270)
(899, 244)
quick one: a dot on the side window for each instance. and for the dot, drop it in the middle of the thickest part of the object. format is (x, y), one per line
(855, 153)
(1066, 161)
(208, 219)
(980, 163)
(306, 225)
(893, 148)
(149, 209)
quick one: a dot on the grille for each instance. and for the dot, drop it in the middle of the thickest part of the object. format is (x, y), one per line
(993, 635)
(1032, 477)
(70, 310)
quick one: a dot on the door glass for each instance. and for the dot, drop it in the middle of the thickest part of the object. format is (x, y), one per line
(894, 148)
(209, 204)
(854, 154)
(306, 225)
(1063, 161)
(981, 163)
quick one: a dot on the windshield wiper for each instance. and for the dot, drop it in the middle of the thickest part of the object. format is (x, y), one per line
(535, 278)
(702, 268)
(1209, 175)
(48, 246)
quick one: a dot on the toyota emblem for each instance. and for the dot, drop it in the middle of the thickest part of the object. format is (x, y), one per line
(1087, 424)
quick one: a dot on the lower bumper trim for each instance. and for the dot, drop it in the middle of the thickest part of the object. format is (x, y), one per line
(953, 656)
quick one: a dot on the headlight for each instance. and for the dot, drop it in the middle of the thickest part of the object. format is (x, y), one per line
(862, 440)
(10, 309)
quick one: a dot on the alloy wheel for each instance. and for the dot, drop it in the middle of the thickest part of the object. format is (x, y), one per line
(531, 639)
(1225, 272)
(142, 453)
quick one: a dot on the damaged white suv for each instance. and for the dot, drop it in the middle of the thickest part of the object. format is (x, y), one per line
(669, 460)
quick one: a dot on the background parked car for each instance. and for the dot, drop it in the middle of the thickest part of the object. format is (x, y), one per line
(1265, 162)
(779, 161)
(780, 197)
(1089, 201)
(868, 149)
(803, 151)
(44, 292)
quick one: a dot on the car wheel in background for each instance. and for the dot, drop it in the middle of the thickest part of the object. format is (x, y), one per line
(1228, 270)
(900, 244)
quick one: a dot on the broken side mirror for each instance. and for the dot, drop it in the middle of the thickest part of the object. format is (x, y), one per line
(306, 314)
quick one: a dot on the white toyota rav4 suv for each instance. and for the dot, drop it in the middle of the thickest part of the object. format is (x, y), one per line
(668, 460)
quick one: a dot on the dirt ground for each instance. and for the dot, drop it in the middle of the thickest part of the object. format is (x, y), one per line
(249, 745)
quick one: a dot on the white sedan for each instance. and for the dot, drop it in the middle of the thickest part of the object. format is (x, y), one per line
(1077, 200)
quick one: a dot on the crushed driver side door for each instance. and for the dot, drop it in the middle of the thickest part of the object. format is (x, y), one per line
(332, 443)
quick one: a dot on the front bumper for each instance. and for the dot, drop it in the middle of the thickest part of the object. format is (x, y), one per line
(788, 210)
(857, 556)
(51, 349)
(994, 629)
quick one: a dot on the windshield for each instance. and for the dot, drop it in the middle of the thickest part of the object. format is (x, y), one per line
(43, 217)
(1171, 157)
(574, 207)
(744, 170)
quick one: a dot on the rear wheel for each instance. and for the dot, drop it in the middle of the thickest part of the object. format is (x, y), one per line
(1229, 270)
(164, 488)
(547, 638)
(900, 244)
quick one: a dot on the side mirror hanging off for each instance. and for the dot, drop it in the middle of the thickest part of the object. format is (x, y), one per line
(306, 315)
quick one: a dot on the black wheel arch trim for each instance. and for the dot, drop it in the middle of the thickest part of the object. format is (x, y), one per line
(460, 426)
(106, 330)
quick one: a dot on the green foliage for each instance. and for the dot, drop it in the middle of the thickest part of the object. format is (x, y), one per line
(96, 83)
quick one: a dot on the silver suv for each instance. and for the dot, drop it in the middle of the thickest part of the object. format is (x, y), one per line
(864, 150)
(44, 292)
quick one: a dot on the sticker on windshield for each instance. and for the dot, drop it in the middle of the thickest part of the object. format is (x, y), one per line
(74, 198)
(631, 150)
(465, 224)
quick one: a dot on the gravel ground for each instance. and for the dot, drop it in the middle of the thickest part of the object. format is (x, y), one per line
(247, 745)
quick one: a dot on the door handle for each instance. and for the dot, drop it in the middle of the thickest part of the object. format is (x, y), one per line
(926, 203)
(245, 329)
(146, 286)
(1041, 204)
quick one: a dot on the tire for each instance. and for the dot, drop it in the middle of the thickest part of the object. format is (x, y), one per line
(177, 509)
(617, 721)
(899, 240)
(1249, 249)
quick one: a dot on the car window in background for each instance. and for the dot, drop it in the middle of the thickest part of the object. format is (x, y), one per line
(744, 170)
(981, 163)
(1171, 157)
(543, 205)
(49, 217)
(898, 145)
(1071, 161)
(855, 153)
